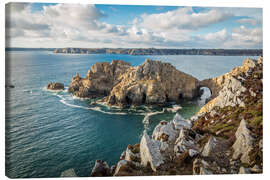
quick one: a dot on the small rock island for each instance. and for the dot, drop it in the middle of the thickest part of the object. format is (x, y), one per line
(122, 85)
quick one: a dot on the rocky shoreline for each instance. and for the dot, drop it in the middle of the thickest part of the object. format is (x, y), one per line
(225, 137)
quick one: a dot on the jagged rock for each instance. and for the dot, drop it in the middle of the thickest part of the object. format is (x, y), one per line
(256, 169)
(164, 146)
(123, 155)
(130, 156)
(243, 144)
(126, 168)
(204, 171)
(179, 122)
(201, 167)
(150, 152)
(69, 173)
(185, 142)
(227, 88)
(153, 82)
(260, 60)
(100, 80)
(228, 96)
(192, 152)
(101, 168)
(243, 170)
(210, 146)
(165, 132)
(55, 86)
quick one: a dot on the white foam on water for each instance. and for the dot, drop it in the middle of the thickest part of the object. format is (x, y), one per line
(96, 108)
(174, 108)
(79, 98)
(147, 116)
(55, 91)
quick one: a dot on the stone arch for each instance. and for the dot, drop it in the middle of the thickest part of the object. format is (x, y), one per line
(213, 86)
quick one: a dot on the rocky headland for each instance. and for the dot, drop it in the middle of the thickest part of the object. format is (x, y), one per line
(224, 137)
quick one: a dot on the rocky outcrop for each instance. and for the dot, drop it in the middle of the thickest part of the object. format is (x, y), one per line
(69, 173)
(101, 168)
(150, 152)
(55, 86)
(153, 82)
(99, 81)
(227, 88)
(243, 144)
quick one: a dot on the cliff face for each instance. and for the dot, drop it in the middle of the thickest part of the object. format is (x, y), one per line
(153, 82)
(223, 139)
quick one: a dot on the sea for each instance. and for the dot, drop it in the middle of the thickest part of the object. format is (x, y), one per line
(48, 132)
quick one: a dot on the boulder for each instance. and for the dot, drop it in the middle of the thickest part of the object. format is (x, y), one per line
(69, 173)
(150, 152)
(126, 168)
(243, 144)
(179, 122)
(55, 86)
(165, 132)
(101, 168)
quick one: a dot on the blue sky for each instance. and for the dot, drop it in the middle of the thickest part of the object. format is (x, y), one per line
(75, 25)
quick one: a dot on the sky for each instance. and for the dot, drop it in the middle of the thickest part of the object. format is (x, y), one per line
(47, 25)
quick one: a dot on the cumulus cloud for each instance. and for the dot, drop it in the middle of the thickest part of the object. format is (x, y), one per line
(63, 25)
(238, 38)
(182, 18)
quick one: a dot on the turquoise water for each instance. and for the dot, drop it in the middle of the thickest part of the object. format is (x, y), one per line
(49, 132)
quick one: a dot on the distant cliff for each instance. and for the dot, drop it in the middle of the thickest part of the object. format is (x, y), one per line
(153, 51)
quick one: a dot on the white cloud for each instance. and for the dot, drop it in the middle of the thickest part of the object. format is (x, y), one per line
(80, 25)
(182, 18)
(250, 21)
(241, 37)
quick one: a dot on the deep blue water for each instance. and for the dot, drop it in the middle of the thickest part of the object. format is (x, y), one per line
(49, 132)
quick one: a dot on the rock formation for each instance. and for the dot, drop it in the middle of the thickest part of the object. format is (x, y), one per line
(153, 82)
(55, 86)
(99, 80)
(101, 168)
(69, 173)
